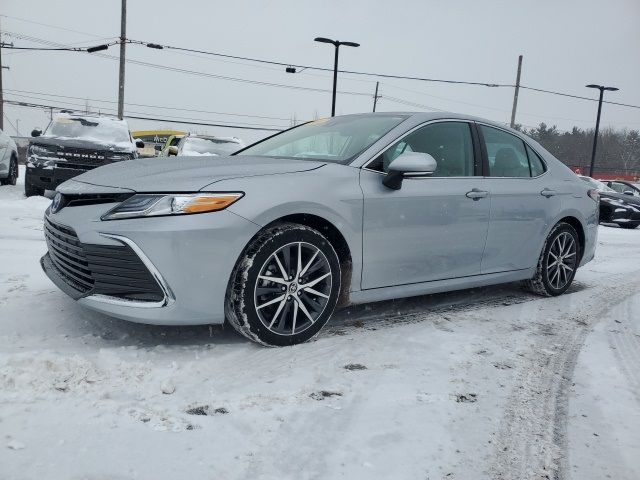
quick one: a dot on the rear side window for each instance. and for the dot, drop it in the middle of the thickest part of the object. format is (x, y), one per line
(506, 152)
(537, 166)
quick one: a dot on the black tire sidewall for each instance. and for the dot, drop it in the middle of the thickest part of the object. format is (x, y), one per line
(263, 252)
(13, 169)
(562, 228)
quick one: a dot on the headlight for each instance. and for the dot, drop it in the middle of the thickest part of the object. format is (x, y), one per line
(153, 205)
(41, 156)
(120, 157)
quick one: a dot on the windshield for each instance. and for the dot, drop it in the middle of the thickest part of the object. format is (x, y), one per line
(89, 128)
(209, 146)
(598, 185)
(338, 139)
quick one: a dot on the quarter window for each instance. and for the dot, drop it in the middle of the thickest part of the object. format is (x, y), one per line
(506, 152)
(449, 143)
(536, 163)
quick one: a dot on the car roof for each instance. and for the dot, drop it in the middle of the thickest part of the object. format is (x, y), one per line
(440, 115)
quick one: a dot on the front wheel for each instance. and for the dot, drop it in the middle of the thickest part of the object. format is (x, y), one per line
(558, 262)
(30, 189)
(285, 286)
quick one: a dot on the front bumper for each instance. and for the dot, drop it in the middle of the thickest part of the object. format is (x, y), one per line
(618, 212)
(190, 257)
(48, 178)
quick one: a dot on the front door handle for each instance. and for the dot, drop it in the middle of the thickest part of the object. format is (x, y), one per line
(477, 194)
(547, 192)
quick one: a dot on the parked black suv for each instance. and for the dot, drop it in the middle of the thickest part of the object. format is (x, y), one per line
(73, 144)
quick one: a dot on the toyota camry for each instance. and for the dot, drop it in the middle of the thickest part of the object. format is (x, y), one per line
(350, 209)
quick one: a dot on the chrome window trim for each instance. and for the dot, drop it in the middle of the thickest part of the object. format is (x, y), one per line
(546, 167)
(409, 132)
(169, 297)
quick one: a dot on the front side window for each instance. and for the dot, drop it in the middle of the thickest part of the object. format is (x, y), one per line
(337, 139)
(449, 143)
(506, 153)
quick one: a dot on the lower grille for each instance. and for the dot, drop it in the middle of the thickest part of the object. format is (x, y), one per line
(113, 270)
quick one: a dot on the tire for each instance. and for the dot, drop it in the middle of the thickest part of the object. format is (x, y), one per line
(12, 177)
(551, 280)
(284, 312)
(30, 189)
(629, 226)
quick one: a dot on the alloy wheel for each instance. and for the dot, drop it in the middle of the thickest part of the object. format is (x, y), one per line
(293, 288)
(561, 260)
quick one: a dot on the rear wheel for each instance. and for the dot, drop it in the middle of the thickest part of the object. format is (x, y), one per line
(12, 177)
(285, 286)
(558, 262)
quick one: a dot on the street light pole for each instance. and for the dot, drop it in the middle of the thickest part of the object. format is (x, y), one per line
(336, 44)
(595, 135)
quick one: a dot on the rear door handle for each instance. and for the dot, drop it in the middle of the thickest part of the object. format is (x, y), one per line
(547, 192)
(477, 194)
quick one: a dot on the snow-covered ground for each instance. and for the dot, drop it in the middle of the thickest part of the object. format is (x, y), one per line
(491, 383)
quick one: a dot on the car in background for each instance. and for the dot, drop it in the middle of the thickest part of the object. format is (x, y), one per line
(154, 140)
(619, 208)
(348, 209)
(622, 186)
(197, 145)
(172, 141)
(8, 160)
(73, 144)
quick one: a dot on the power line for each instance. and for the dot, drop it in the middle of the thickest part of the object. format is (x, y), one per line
(264, 117)
(155, 119)
(351, 72)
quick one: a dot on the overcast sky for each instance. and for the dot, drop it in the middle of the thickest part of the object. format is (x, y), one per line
(566, 44)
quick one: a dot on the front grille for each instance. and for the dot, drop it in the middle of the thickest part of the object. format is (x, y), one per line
(82, 158)
(113, 270)
(82, 200)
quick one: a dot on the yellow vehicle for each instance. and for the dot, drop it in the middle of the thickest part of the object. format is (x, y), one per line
(151, 138)
(172, 141)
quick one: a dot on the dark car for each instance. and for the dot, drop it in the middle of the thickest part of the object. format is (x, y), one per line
(73, 144)
(619, 208)
(622, 186)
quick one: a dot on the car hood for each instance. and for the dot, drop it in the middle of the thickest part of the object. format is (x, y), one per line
(621, 197)
(186, 174)
(65, 142)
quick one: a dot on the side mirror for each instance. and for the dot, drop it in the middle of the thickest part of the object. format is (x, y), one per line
(36, 132)
(409, 165)
(173, 150)
(139, 143)
(628, 192)
(157, 148)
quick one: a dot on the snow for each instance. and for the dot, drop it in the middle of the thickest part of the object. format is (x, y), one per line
(480, 384)
(110, 132)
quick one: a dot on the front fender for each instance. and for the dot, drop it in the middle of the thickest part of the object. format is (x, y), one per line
(331, 193)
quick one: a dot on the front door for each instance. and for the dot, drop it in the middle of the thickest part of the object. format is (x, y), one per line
(430, 229)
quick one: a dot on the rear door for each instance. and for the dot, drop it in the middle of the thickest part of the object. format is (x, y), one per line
(429, 229)
(524, 199)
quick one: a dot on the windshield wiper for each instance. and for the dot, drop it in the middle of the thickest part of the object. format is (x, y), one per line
(84, 122)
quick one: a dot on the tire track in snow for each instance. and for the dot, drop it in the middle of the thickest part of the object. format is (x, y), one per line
(532, 441)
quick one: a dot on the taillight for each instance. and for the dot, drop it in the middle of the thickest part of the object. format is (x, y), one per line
(594, 194)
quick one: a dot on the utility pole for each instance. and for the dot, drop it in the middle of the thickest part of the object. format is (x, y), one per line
(1, 95)
(515, 93)
(375, 96)
(123, 38)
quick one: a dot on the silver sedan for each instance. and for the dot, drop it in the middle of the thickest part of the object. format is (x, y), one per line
(351, 209)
